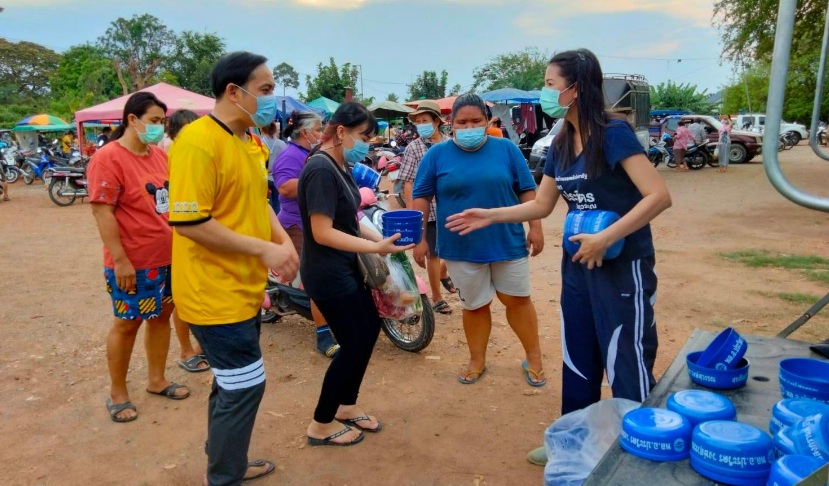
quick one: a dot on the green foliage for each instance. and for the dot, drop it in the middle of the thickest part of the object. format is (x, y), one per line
(84, 77)
(456, 90)
(672, 96)
(393, 97)
(748, 27)
(286, 76)
(192, 60)
(522, 70)
(429, 86)
(331, 81)
(25, 69)
(138, 47)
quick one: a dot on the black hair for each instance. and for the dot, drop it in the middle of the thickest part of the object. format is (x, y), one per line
(469, 99)
(178, 120)
(138, 104)
(681, 123)
(581, 69)
(106, 130)
(349, 115)
(234, 68)
(296, 122)
(269, 129)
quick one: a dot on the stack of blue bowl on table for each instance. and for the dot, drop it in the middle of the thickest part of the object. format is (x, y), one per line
(731, 452)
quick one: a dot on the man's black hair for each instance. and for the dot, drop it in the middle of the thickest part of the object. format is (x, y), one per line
(234, 68)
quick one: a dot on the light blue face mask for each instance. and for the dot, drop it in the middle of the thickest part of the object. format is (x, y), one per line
(470, 138)
(265, 109)
(356, 153)
(153, 133)
(425, 130)
(549, 102)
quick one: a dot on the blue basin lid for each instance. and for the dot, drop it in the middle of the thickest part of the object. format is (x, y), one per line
(656, 434)
(701, 406)
(731, 452)
(790, 470)
(790, 410)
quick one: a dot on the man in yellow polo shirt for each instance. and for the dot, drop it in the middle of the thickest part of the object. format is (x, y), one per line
(226, 237)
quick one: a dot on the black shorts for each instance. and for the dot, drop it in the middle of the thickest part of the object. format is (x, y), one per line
(432, 237)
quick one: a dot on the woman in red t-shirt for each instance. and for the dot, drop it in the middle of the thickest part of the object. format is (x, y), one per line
(128, 184)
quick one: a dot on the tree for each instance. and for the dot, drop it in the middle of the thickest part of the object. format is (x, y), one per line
(137, 47)
(331, 81)
(755, 81)
(428, 86)
(456, 90)
(193, 58)
(671, 96)
(521, 70)
(84, 77)
(286, 76)
(25, 69)
(392, 97)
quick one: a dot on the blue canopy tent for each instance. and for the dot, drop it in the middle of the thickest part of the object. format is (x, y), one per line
(510, 95)
(286, 105)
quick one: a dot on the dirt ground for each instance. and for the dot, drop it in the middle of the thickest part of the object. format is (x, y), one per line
(54, 314)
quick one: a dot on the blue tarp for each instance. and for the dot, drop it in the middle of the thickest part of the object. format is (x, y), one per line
(291, 105)
(510, 95)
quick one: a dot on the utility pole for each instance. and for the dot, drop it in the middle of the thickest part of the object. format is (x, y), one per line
(362, 93)
(745, 82)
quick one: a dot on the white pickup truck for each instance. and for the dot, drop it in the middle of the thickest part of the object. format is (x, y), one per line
(756, 122)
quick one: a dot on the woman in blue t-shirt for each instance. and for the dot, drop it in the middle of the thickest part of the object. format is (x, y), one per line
(596, 162)
(475, 170)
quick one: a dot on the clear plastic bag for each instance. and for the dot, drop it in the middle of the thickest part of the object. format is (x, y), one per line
(577, 441)
(399, 297)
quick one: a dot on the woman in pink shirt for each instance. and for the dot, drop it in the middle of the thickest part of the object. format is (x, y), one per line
(682, 138)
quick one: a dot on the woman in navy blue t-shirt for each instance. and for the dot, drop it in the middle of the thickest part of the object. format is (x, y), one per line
(596, 162)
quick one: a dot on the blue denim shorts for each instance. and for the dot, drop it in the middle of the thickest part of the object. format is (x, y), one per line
(152, 291)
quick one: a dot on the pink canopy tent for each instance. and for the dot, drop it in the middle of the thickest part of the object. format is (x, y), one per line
(174, 97)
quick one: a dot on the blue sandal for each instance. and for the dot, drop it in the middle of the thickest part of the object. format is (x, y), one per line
(538, 375)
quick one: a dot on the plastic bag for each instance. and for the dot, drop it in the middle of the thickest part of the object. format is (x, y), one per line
(577, 441)
(399, 297)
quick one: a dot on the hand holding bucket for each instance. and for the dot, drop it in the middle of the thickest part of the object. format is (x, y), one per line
(407, 222)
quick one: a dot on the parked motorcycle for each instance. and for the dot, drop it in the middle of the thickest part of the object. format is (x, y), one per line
(658, 153)
(68, 184)
(696, 157)
(39, 166)
(12, 172)
(412, 334)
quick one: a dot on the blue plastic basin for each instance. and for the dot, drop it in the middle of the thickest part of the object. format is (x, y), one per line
(725, 351)
(590, 222)
(407, 222)
(804, 378)
(732, 452)
(807, 437)
(788, 411)
(365, 176)
(727, 379)
(656, 434)
(701, 406)
(790, 470)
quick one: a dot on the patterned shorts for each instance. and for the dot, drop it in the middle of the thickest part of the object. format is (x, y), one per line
(152, 290)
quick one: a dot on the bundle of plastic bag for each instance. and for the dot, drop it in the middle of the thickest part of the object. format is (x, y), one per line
(399, 297)
(577, 441)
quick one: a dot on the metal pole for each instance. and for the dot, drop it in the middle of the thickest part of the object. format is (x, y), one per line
(805, 317)
(745, 82)
(774, 111)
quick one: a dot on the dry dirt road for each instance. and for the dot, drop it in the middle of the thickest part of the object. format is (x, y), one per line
(54, 315)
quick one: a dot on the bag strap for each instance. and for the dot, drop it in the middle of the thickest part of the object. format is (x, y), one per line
(340, 173)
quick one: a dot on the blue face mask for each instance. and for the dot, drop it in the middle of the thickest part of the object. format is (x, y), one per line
(425, 130)
(470, 138)
(265, 109)
(549, 102)
(152, 133)
(356, 153)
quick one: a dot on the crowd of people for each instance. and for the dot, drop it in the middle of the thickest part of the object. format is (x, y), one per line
(194, 216)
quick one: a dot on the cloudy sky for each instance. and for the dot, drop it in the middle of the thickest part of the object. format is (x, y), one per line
(394, 40)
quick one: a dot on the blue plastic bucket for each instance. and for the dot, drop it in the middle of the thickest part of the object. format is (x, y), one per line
(725, 351)
(732, 452)
(804, 378)
(808, 437)
(656, 434)
(365, 176)
(407, 222)
(789, 411)
(790, 470)
(728, 379)
(590, 222)
(701, 406)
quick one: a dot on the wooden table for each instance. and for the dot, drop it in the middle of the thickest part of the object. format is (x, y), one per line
(753, 402)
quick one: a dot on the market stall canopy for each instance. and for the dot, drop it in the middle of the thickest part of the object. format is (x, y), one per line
(41, 123)
(290, 105)
(509, 95)
(389, 109)
(445, 104)
(325, 104)
(174, 97)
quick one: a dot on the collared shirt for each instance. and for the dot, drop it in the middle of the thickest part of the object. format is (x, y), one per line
(698, 131)
(411, 161)
(288, 166)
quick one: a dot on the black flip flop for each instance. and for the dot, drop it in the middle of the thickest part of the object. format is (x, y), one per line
(192, 363)
(116, 408)
(259, 463)
(170, 392)
(353, 423)
(442, 307)
(448, 285)
(329, 441)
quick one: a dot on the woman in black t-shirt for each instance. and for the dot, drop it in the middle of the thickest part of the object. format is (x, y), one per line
(328, 203)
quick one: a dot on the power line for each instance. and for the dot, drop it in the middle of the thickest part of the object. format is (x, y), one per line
(663, 59)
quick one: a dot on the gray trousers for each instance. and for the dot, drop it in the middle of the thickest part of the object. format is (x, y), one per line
(238, 386)
(723, 152)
